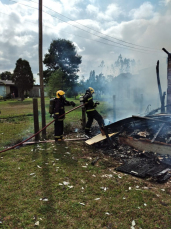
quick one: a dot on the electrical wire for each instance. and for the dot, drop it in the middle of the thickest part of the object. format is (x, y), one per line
(134, 48)
(98, 31)
(89, 38)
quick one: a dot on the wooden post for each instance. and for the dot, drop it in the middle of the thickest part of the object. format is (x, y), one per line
(168, 80)
(114, 108)
(83, 118)
(41, 71)
(36, 118)
(169, 83)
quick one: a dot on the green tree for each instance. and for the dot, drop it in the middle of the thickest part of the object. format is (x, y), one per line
(23, 77)
(6, 75)
(63, 54)
(56, 82)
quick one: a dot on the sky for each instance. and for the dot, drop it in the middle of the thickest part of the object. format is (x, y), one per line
(101, 30)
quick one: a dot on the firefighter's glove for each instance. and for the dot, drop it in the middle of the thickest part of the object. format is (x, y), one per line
(72, 103)
(97, 103)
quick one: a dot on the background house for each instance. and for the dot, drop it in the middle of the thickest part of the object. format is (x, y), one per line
(7, 87)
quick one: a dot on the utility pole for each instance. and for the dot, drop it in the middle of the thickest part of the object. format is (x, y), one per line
(168, 81)
(41, 71)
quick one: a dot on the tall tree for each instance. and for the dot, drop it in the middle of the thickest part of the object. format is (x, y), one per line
(56, 82)
(62, 54)
(23, 77)
(6, 75)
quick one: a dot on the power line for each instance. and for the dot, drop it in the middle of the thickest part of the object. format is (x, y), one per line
(104, 38)
(84, 37)
(91, 33)
(98, 31)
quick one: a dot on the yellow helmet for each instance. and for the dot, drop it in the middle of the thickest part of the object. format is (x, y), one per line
(91, 90)
(59, 93)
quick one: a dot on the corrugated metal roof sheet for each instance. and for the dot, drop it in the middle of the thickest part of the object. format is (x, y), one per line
(6, 82)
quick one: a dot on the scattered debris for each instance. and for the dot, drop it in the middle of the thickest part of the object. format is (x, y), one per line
(44, 199)
(95, 161)
(65, 183)
(133, 224)
(82, 204)
(107, 175)
(37, 223)
(107, 213)
(104, 188)
(144, 166)
(141, 147)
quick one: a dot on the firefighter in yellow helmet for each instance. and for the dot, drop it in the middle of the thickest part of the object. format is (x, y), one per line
(91, 111)
(59, 109)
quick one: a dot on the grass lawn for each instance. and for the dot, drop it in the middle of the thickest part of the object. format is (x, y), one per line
(55, 185)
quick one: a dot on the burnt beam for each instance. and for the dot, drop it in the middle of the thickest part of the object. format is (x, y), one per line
(151, 119)
(155, 136)
(168, 53)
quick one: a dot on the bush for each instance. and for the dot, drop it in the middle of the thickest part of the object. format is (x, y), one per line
(67, 127)
(8, 96)
(71, 93)
(1, 97)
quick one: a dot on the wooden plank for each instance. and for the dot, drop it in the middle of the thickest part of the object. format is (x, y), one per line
(151, 119)
(53, 141)
(98, 138)
(146, 145)
(155, 136)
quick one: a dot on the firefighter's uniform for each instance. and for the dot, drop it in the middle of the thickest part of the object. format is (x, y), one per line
(91, 111)
(59, 109)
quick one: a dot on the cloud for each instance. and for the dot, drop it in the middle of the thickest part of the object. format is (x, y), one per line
(93, 10)
(54, 5)
(143, 26)
(92, 1)
(144, 11)
(112, 12)
(164, 2)
(71, 6)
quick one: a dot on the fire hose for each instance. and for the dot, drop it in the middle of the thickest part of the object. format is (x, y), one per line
(12, 147)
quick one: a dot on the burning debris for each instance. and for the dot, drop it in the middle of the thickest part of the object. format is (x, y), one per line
(150, 157)
(145, 166)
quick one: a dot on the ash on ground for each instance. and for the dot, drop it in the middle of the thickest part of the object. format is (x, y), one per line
(135, 162)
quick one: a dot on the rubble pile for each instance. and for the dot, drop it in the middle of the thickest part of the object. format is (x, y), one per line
(156, 128)
(144, 164)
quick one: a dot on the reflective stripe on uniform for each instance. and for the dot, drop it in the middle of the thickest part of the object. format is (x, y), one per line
(59, 136)
(90, 110)
(86, 128)
(57, 113)
(89, 98)
(61, 119)
(62, 108)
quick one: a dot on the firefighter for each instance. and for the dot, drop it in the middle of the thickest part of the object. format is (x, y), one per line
(91, 111)
(59, 109)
